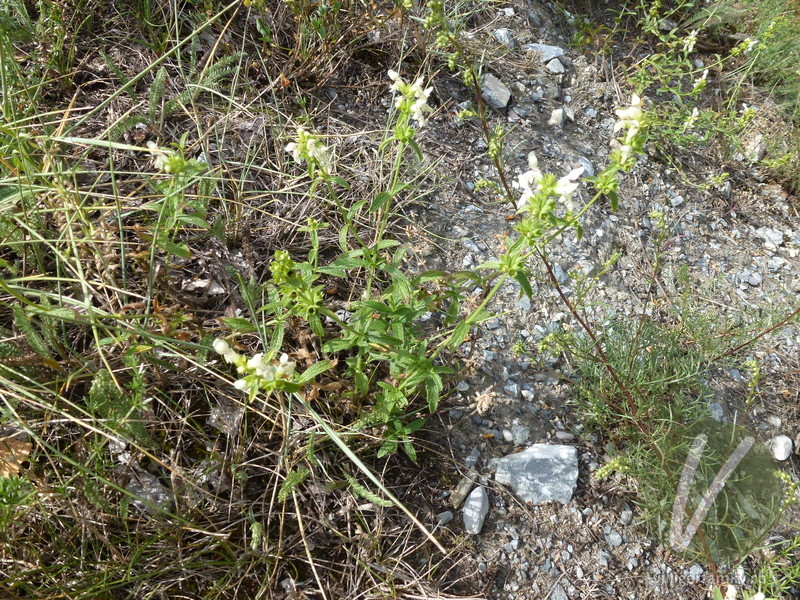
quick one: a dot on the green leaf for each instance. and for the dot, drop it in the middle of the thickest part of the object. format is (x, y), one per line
(314, 370)
(460, 333)
(277, 338)
(62, 313)
(430, 276)
(238, 324)
(478, 316)
(524, 283)
(388, 447)
(194, 220)
(180, 250)
(433, 390)
(353, 211)
(339, 344)
(26, 327)
(293, 479)
(398, 187)
(117, 408)
(346, 262)
(416, 148)
(376, 306)
(409, 449)
(361, 381)
(340, 181)
(316, 325)
(362, 491)
(415, 425)
(380, 201)
(386, 143)
(612, 196)
(491, 264)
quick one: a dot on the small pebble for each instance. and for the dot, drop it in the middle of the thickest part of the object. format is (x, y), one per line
(493, 323)
(557, 117)
(555, 66)
(445, 517)
(614, 539)
(781, 446)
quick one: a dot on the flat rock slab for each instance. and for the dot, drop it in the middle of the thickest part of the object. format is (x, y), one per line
(546, 52)
(495, 92)
(541, 473)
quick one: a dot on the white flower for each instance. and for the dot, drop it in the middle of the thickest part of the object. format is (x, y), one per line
(256, 362)
(241, 384)
(413, 98)
(285, 368)
(751, 43)
(566, 187)
(294, 148)
(309, 148)
(691, 120)
(630, 119)
(223, 348)
(162, 156)
(533, 175)
(320, 154)
(700, 81)
(689, 41)
(524, 199)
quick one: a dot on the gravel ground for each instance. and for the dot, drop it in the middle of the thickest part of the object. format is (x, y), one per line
(736, 246)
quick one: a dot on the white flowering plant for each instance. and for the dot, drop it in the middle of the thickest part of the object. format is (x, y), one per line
(308, 148)
(175, 207)
(411, 102)
(679, 79)
(259, 372)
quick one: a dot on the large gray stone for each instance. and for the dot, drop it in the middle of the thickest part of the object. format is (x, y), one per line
(495, 93)
(475, 510)
(541, 473)
(547, 53)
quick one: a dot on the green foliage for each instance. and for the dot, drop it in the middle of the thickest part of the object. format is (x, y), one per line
(160, 107)
(778, 575)
(175, 208)
(15, 494)
(121, 412)
(364, 492)
(293, 479)
(355, 346)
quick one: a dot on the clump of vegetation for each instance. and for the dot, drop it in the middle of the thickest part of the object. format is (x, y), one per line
(211, 339)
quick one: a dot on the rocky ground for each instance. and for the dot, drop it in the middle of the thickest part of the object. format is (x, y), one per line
(736, 246)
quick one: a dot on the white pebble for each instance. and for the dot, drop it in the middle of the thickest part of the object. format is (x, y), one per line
(781, 447)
